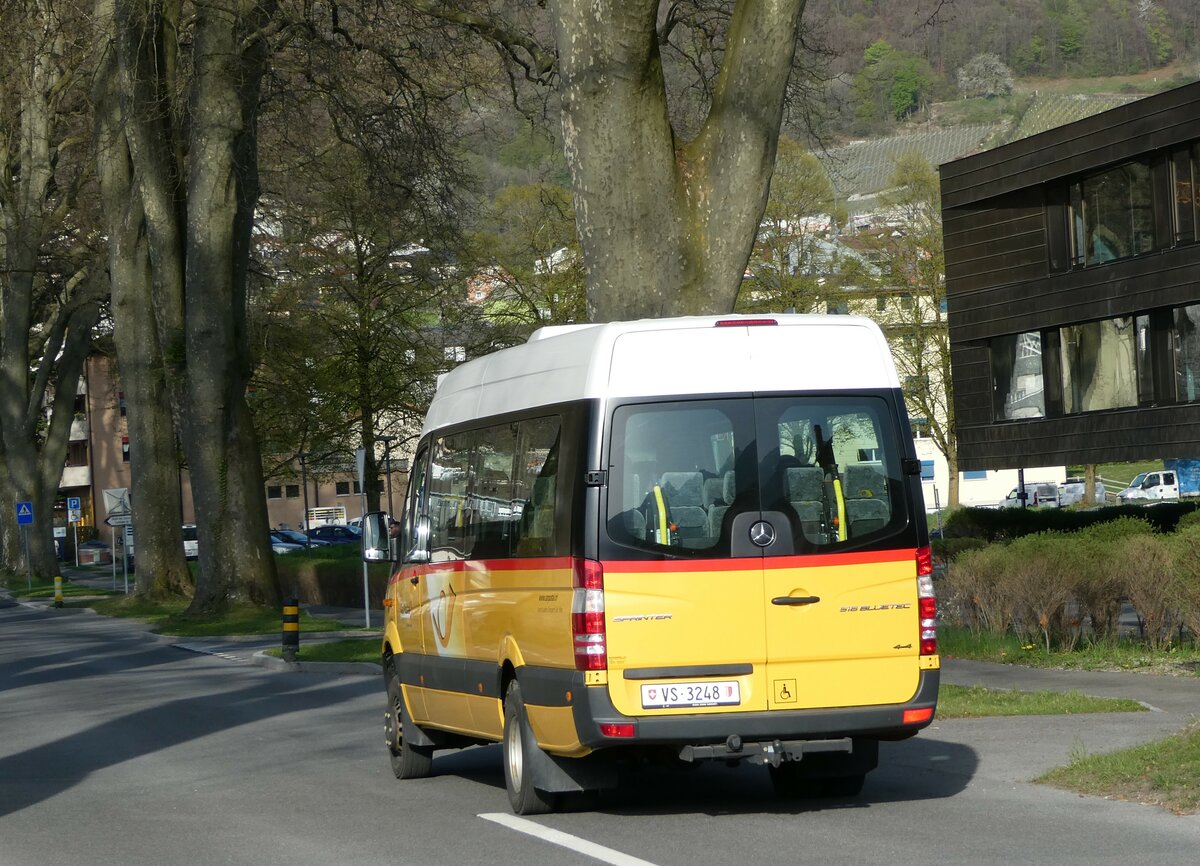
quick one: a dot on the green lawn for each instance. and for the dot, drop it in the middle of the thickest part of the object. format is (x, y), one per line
(973, 702)
(351, 650)
(1125, 655)
(1165, 773)
(20, 587)
(168, 618)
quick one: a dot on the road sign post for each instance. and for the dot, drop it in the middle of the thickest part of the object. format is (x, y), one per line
(25, 520)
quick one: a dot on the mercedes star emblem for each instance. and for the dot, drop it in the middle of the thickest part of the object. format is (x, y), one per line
(762, 533)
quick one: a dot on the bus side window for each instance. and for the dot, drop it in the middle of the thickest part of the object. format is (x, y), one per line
(535, 531)
(449, 508)
(490, 495)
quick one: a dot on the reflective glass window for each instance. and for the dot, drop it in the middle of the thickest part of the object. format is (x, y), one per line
(1186, 341)
(1113, 214)
(1018, 385)
(1099, 370)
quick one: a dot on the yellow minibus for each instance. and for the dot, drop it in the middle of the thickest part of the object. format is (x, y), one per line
(685, 539)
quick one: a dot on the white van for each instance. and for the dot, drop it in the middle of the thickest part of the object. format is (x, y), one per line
(694, 539)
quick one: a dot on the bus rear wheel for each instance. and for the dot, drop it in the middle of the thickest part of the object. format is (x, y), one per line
(519, 755)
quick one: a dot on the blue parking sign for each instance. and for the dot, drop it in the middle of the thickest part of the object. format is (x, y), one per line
(73, 503)
(24, 513)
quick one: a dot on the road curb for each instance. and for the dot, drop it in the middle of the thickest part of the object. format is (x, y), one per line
(362, 669)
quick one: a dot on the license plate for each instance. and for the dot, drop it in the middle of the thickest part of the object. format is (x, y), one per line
(666, 695)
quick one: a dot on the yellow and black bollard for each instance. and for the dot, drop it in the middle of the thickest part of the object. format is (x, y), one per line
(58, 596)
(291, 629)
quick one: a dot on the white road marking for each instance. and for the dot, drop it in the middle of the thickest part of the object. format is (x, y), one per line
(564, 840)
(203, 650)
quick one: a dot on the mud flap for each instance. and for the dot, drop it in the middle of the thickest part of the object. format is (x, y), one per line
(571, 775)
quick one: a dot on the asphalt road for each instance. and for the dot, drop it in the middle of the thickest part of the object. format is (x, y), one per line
(118, 747)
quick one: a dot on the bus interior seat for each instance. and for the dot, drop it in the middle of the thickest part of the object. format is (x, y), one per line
(684, 493)
(716, 511)
(804, 487)
(867, 505)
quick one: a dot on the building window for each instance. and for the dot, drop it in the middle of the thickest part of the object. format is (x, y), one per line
(926, 470)
(121, 402)
(881, 304)
(1099, 370)
(920, 427)
(1112, 214)
(975, 475)
(1017, 379)
(1183, 184)
(125, 449)
(293, 491)
(342, 488)
(1186, 342)
(274, 491)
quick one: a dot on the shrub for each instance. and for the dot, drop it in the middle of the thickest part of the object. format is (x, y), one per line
(975, 592)
(330, 575)
(1101, 580)
(1153, 586)
(1042, 580)
(1000, 524)
(1186, 544)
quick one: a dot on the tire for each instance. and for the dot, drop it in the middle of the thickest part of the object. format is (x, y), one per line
(408, 761)
(519, 755)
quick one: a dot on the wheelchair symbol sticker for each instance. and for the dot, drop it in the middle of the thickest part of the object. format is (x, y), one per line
(785, 692)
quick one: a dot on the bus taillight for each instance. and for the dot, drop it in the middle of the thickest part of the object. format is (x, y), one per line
(926, 602)
(587, 616)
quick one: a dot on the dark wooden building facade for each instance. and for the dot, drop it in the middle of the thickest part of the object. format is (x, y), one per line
(1073, 290)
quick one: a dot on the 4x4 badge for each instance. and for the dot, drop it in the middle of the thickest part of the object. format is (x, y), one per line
(762, 533)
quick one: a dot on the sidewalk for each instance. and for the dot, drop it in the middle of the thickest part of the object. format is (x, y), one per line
(1177, 695)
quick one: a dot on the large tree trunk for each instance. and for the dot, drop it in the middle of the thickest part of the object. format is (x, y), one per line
(154, 454)
(235, 553)
(40, 368)
(198, 184)
(671, 232)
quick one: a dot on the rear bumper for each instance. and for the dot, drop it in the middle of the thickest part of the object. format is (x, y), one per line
(884, 722)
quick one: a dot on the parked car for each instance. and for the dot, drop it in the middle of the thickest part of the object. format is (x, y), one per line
(335, 533)
(279, 546)
(294, 536)
(1040, 494)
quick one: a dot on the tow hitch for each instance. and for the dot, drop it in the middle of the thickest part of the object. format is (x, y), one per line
(772, 753)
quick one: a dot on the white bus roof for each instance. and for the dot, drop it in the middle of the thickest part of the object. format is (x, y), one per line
(653, 357)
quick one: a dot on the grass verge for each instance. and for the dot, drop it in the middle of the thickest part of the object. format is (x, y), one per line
(350, 650)
(1164, 773)
(974, 702)
(1124, 655)
(168, 618)
(45, 589)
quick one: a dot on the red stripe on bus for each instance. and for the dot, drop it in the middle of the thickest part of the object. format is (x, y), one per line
(529, 563)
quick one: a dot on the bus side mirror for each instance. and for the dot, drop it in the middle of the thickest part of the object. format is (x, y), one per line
(375, 537)
(422, 532)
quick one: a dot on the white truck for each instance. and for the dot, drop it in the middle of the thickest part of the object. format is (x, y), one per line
(1179, 478)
